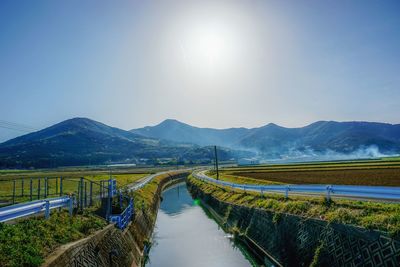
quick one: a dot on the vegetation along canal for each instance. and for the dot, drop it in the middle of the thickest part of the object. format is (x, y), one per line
(186, 236)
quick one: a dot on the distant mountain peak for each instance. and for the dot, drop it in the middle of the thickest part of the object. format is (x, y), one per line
(172, 122)
(79, 121)
(271, 124)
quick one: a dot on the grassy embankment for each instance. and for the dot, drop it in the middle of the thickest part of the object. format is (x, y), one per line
(370, 172)
(29, 241)
(144, 197)
(371, 215)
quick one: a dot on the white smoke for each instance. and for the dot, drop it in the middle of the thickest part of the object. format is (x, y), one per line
(308, 154)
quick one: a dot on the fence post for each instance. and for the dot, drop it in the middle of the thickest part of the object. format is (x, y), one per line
(328, 193)
(56, 185)
(108, 214)
(91, 194)
(46, 186)
(30, 188)
(85, 194)
(22, 187)
(47, 212)
(61, 186)
(13, 198)
(101, 189)
(78, 198)
(287, 192)
(38, 192)
(81, 193)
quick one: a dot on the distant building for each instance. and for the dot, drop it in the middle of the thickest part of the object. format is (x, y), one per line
(248, 161)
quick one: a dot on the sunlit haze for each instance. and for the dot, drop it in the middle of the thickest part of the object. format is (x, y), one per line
(207, 63)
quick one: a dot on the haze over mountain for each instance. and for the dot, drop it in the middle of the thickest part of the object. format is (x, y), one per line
(363, 139)
(82, 141)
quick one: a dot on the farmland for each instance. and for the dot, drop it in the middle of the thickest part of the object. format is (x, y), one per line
(369, 172)
(15, 185)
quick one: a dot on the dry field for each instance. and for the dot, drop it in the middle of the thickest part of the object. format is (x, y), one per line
(383, 173)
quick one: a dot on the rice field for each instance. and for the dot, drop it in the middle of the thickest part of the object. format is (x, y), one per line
(368, 172)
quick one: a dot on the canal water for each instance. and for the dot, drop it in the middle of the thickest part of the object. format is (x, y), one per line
(186, 236)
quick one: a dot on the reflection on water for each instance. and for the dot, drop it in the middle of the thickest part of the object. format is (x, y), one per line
(185, 236)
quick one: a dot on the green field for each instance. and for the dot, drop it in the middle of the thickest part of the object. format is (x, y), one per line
(18, 183)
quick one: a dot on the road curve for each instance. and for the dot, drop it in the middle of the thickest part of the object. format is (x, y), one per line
(142, 182)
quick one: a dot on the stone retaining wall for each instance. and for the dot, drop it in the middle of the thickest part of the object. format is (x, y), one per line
(296, 241)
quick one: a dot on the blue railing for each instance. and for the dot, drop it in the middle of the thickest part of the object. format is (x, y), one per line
(343, 191)
(122, 220)
(35, 207)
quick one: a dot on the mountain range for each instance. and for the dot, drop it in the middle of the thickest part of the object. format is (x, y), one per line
(81, 141)
(274, 141)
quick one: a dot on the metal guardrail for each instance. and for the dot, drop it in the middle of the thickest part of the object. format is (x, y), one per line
(147, 180)
(30, 208)
(26, 209)
(144, 181)
(347, 191)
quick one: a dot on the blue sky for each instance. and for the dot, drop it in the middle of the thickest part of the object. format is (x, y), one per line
(208, 63)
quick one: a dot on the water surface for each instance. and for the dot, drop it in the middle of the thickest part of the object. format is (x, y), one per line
(185, 236)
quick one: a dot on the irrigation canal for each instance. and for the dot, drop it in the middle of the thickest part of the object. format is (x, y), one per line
(185, 235)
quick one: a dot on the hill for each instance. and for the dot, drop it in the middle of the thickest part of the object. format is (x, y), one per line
(82, 141)
(363, 139)
(183, 133)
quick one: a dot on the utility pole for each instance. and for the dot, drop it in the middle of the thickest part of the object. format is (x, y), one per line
(216, 161)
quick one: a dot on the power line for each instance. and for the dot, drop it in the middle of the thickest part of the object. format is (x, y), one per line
(16, 126)
(10, 128)
(19, 125)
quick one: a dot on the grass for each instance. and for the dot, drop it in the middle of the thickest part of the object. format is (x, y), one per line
(144, 197)
(29, 241)
(70, 185)
(371, 215)
(76, 172)
(239, 179)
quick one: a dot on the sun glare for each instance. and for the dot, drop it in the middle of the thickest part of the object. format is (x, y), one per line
(209, 48)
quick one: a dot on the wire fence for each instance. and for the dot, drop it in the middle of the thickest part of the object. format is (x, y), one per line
(21, 190)
(83, 193)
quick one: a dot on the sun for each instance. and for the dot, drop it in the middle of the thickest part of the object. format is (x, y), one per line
(209, 47)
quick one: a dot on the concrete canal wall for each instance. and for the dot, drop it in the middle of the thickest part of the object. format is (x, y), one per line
(297, 241)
